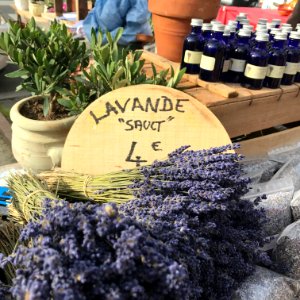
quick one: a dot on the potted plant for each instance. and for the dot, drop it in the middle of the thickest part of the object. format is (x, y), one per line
(47, 61)
(171, 22)
(53, 66)
(36, 7)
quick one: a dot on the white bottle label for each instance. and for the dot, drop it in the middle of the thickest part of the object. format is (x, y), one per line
(275, 71)
(192, 57)
(226, 66)
(291, 68)
(255, 72)
(299, 67)
(237, 65)
(207, 63)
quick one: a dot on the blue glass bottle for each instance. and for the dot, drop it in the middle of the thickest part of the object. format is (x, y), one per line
(192, 48)
(207, 31)
(226, 61)
(293, 59)
(213, 55)
(277, 61)
(239, 56)
(257, 63)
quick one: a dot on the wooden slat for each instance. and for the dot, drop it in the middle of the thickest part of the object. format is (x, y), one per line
(243, 117)
(259, 147)
(159, 60)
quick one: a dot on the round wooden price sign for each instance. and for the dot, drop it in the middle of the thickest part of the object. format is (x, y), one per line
(136, 125)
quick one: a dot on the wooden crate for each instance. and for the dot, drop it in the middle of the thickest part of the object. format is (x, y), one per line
(244, 111)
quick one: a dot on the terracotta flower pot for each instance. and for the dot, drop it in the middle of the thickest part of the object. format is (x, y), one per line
(38, 145)
(171, 21)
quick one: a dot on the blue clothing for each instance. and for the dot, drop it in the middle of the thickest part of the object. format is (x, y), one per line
(110, 15)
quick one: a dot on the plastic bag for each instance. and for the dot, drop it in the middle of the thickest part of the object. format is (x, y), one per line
(295, 206)
(279, 193)
(287, 251)
(265, 284)
(290, 169)
(284, 154)
(260, 170)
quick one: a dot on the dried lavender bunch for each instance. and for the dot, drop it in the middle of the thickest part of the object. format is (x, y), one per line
(4, 292)
(191, 202)
(84, 251)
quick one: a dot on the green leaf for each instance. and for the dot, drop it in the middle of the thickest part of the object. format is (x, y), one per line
(46, 106)
(119, 34)
(117, 76)
(65, 102)
(16, 74)
(109, 38)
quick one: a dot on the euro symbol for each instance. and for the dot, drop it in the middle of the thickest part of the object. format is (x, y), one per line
(155, 146)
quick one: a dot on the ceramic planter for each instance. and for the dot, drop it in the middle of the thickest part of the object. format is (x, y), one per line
(36, 9)
(37, 145)
(171, 21)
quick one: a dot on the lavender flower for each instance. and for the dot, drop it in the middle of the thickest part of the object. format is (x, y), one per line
(191, 202)
(86, 251)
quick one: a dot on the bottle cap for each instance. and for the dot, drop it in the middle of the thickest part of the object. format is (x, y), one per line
(245, 21)
(232, 22)
(248, 26)
(261, 26)
(262, 37)
(230, 28)
(280, 36)
(244, 32)
(271, 25)
(239, 18)
(287, 29)
(275, 30)
(286, 25)
(215, 22)
(295, 35)
(226, 32)
(262, 30)
(218, 27)
(276, 21)
(196, 22)
(262, 21)
(206, 26)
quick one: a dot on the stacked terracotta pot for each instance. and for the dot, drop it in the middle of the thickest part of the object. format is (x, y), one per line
(171, 20)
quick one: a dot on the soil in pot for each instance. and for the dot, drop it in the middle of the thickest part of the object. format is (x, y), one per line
(33, 109)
